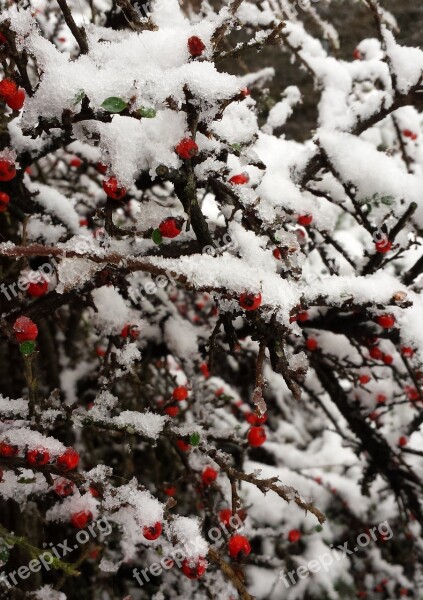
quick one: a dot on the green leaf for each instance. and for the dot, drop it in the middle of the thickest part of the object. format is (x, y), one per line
(236, 147)
(79, 97)
(147, 113)
(114, 104)
(4, 554)
(27, 348)
(318, 528)
(156, 236)
(194, 439)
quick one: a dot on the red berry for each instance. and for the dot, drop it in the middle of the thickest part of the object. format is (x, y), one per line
(8, 88)
(363, 379)
(302, 316)
(194, 568)
(64, 487)
(75, 162)
(180, 393)
(208, 475)
(113, 189)
(183, 446)
(38, 288)
(170, 491)
(68, 460)
(304, 220)
(186, 149)
(373, 416)
(4, 201)
(375, 353)
(402, 441)
(16, 101)
(225, 515)
(101, 168)
(412, 393)
(294, 536)
(254, 419)
(388, 359)
(172, 411)
(152, 533)
(204, 368)
(94, 493)
(250, 301)
(131, 331)
(357, 54)
(38, 457)
(311, 344)
(100, 352)
(245, 92)
(386, 321)
(7, 450)
(25, 329)
(407, 352)
(7, 169)
(195, 46)
(414, 137)
(81, 519)
(383, 246)
(240, 179)
(277, 254)
(381, 399)
(238, 547)
(407, 133)
(170, 228)
(256, 436)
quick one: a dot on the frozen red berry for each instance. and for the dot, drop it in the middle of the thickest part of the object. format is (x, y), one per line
(383, 246)
(113, 188)
(194, 568)
(388, 359)
(277, 254)
(81, 519)
(180, 393)
(8, 88)
(186, 148)
(131, 331)
(208, 475)
(7, 169)
(249, 301)
(170, 491)
(240, 179)
(16, 101)
(407, 351)
(195, 46)
(311, 344)
(153, 532)
(25, 329)
(305, 220)
(245, 92)
(68, 460)
(170, 228)
(256, 436)
(375, 352)
(357, 54)
(4, 201)
(39, 288)
(386, 321)
(183, 445)
(8, 450)
(100, 168)
(76, 162)
(294, 536)
(38, 457)
(407, 133)
(254, 419)
(381, 399)
(64, 487)
(204, 368)
(238, 547)
(172, 411)
(402, 441)
(225, 516)
(363, 379)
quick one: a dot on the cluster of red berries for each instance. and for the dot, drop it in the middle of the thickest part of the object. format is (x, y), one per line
(11, 94)
(38, 457)
(376, 353)
(410, 134)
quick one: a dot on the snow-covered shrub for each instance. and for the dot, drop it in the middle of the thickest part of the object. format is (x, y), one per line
(212, 335)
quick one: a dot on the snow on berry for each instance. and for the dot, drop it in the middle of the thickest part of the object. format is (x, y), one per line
(25, 329)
